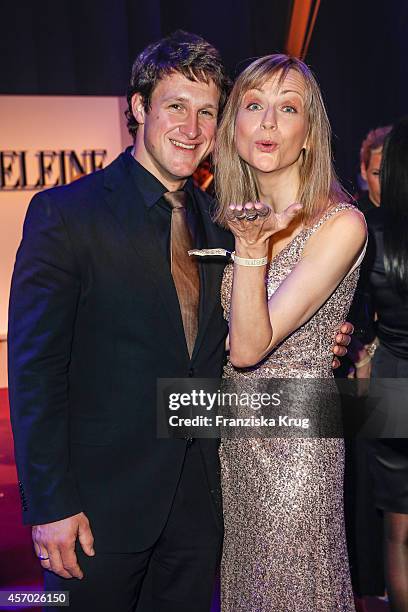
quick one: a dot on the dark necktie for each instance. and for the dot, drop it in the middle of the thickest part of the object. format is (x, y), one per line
(184, 268)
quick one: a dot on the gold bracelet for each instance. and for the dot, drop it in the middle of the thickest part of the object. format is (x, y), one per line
(243, 261)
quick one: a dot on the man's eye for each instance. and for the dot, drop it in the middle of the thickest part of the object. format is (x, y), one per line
(253, 106)
(175, 106)
(288, 108)
(208, 113)
(376, 173)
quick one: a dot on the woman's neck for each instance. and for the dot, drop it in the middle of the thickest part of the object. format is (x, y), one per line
(279, 189)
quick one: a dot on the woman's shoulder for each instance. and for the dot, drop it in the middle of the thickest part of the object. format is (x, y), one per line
(340, 217)
(342, 223)
(347, 214)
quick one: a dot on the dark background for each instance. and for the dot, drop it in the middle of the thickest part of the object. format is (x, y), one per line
(359, 51)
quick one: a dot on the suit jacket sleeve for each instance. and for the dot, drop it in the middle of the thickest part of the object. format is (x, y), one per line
(43, 304)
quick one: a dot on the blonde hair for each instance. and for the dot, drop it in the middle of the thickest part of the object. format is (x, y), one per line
(235, 180)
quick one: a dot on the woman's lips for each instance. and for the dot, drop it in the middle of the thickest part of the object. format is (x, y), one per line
(266, 146)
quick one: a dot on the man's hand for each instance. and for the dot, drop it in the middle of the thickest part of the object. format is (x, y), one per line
(342, 339)
(57, 541)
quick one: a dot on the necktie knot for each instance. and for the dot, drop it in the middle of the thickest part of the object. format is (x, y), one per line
(176, 199)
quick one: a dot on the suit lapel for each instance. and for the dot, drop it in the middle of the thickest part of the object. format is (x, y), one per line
(126, 204)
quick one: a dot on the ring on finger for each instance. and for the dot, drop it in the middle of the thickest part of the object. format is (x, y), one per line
(264, 211)
(241, 215)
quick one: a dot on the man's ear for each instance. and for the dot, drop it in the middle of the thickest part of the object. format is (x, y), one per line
(138, 108)
(363, 171)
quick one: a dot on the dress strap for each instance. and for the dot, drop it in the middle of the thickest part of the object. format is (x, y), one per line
(359, 259)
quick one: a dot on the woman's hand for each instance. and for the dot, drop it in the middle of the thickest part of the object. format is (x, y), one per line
(254, 223)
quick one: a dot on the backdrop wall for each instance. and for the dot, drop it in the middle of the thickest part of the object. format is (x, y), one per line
(48, 140)
(86, 47)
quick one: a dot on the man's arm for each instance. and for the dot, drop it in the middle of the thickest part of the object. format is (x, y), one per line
(43, 304)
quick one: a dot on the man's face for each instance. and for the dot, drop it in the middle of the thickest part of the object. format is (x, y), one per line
(371, 174)
(178, 131)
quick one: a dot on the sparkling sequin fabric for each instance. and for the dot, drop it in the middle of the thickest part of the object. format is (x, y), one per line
(284, 544)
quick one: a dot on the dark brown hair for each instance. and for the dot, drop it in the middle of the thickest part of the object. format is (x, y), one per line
(182, 52)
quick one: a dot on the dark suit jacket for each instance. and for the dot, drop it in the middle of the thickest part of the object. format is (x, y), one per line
(94, 321)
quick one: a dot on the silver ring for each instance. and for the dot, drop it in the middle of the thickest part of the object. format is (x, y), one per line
(252, 216)
(234, 214)
(43, 558)
(264, 211)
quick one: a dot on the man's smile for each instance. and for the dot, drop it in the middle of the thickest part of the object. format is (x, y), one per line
(183, 145)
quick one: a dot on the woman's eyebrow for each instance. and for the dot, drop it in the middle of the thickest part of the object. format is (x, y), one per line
(285, 91)
(254, 89)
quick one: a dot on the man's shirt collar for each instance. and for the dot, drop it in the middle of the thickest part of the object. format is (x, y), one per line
(150, 187)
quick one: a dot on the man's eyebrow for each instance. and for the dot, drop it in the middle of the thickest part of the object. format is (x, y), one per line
(183, 99)
(210, 105)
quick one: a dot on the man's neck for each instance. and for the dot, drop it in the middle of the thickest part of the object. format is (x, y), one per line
(170, 183)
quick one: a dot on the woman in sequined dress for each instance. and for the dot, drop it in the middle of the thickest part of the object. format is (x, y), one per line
(284, 546)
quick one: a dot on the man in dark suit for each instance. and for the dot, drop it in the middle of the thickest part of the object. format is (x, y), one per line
(98, 313)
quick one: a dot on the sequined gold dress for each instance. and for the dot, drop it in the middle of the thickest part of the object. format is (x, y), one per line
(284, 544)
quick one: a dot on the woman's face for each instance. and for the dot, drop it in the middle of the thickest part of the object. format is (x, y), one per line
(271, 126)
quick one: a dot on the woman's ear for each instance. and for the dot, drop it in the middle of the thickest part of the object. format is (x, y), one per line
(138, 108)
(306, 141)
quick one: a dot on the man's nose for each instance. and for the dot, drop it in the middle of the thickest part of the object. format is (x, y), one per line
(190, 127)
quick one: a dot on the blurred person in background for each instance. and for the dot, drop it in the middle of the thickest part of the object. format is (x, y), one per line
(363, 521)
(386, 276)
(369, 198)
(370, 163)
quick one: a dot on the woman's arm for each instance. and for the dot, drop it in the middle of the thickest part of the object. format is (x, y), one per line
(256, 324)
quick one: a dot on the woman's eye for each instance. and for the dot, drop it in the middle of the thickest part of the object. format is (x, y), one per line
(288, 108)
(253, 106)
